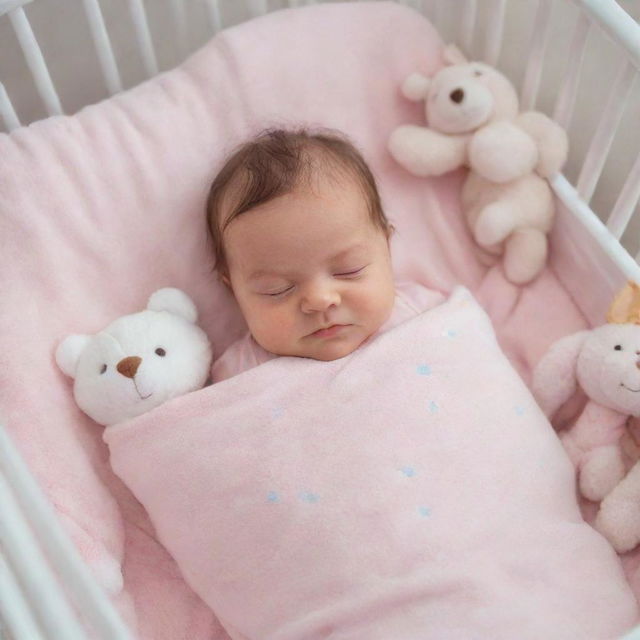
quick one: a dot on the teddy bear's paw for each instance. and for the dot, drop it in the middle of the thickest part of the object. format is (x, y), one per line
(619, 522)
(495, 222)
(525, 255)
(601, 472)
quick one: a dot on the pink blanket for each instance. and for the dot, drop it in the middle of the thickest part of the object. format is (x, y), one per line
(410, 490)
(99, 209)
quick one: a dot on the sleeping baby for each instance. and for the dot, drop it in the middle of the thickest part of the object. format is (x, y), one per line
(301, 239)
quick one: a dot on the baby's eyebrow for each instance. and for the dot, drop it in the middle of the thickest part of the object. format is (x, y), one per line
(260, 273)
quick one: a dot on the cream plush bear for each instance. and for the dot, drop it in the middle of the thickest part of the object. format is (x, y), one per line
(139, 361)
(474, 121)
(605, 362)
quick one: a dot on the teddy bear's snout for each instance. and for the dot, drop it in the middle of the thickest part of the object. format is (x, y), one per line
(129, 366)
(457, 96)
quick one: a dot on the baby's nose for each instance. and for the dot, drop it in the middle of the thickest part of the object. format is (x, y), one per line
(320, 299)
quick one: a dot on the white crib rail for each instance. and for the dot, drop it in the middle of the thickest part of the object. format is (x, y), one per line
(34, 545)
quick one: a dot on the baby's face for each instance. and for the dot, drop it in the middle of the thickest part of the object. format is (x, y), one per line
(311, 272)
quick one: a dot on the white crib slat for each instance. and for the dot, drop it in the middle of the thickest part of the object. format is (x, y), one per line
(33, 572)
(10, 5)
(88, 595)
(103, 46)
(9, 115)
(143, 36)
(35, 61)
(539, 39)
(626, 202)
(441, 12)
(603, 137)
(469, 10)
(14, 611)
(215, 17)
(565, 103)
(494, 32)
(180, 18)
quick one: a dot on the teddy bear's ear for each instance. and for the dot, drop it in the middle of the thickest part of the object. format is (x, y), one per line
(555, 376)
(625, 307)
(416, 87)
(452, 55)
(173, 301)
(68, 353)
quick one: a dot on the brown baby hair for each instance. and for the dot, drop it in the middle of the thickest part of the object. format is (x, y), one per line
(273, 164)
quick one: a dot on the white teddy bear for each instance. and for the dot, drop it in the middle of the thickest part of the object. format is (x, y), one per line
(605, 362)
(139, 361)
(473, 116)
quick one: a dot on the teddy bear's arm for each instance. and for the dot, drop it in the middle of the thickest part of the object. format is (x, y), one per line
(424, 152)
(619, 516)
(501, 152)
(551, 140)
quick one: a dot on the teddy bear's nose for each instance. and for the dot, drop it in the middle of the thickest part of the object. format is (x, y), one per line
(128, 366)
(457, 95)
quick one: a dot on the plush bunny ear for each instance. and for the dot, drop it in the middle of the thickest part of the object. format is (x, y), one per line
(625, 307)
(68, 353)
(554, 378)
(174, 301)
(416, 87)
(452, 55)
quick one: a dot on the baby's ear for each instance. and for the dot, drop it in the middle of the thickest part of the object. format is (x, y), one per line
(174, 301)
(68, 353)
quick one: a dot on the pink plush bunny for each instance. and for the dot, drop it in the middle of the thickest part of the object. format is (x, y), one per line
(605, 362)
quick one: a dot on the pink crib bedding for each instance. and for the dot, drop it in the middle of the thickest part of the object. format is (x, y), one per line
(99, 209)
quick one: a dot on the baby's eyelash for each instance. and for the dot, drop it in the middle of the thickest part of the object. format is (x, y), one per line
(350, 273)
(278, 293)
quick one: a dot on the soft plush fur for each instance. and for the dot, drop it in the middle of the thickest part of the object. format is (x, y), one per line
(139, 361)
(605, 362)
(473, 120)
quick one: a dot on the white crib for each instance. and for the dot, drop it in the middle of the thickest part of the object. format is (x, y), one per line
(603, 248)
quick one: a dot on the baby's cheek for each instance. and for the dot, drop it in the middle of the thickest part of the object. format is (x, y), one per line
(271, 325)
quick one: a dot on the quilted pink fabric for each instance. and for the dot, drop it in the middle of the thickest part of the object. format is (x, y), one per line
(99, 209)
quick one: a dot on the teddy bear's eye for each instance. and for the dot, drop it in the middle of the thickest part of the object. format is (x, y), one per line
(103, 368)
(618, 347)
(161, 352)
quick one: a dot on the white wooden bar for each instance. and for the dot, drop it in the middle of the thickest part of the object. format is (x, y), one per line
(626, 202)
(588, 220)
(88, 595)
(467, 23)
(9, 115)
(180, 19)
(494, 32)
(33, 573)
(539, 38)
(103, 46)
(15, 612)
(615, 21)
(143, 36)
(35, 61)
(601, 142)
(215, 18)
(563, 111)
(10, 5)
